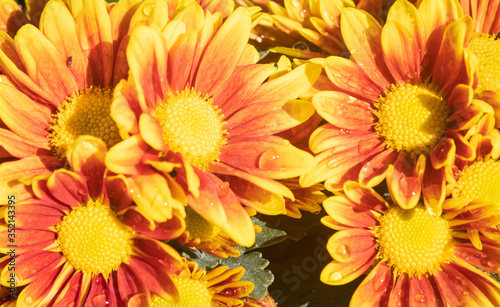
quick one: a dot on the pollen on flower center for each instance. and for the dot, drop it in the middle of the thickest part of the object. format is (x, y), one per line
(198, 227)
(481, 180)
(487, 50)
(413, 241)
(85, 113)
(192, 126)
(193, 293)
(411, 118)
(93, 240)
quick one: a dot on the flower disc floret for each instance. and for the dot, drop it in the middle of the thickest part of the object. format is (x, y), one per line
(487, 49)
(193, 293)
(411, 118)
(198, 227)
(413, 241)
(481, 180)
(87, 112)
(93, 240)
(192, 126)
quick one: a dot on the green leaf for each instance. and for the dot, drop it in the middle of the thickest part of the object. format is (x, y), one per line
(253, 263)
(254, 266)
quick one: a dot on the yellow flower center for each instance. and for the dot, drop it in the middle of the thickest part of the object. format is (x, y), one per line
(198, 227)
(481, 180)
(192, 126)
(411, 118)
(413, 241)
(85, 113)
(193, 292)
(487, 49)
(93, 240)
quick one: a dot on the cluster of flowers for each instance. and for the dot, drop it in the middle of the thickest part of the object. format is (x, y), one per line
(127, 126)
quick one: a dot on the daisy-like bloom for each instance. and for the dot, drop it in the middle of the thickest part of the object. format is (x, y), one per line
(59, 81)
(79, 240)
(417, 257)
(317, 22)
(219, 287)
(486, 46)
(392, 110)
(196, 102)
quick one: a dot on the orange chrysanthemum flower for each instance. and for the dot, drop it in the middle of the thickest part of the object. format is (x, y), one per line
(79, 241)
(59, 81)
(192, 107)
(402, 106)
(486, 46)
(418, 257)
(219, 287)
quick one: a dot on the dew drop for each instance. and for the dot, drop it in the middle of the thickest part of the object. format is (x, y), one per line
(138, 219)
(343, 251)
(335, 276)
(380, 283)
(331, 164)
(32, 272)
(148, 9)
(419, 298)
(28, 300)
(8, 7)
(465, 293)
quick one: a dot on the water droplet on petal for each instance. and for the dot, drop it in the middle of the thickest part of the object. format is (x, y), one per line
(335, 276)
(343, 251)
(419, 298)
(148, 9)
(28, 300)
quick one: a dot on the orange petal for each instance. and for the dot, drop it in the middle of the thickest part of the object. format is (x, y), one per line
(341, 273)
(86, 157)
(93, 27)
(68, 187)
(22, 115)
(126, 156)
(366, 48)
(461, 283)
(216, 65)
(374, 171)
(147, 58)
(403, 42)
(152, 132)
(377, 286)
(20, 147)
(12, 173)
(349, 214)
(264, 183)
(350, 77)
(434, 189)
(168, 230)
(26, 239)
(244, 81)
(258, 198)
(404, 180)
(44, 64)
(218, 204)
(269, 118)
(443, 154)
(33, 214)
(270, 157)
(352, 245)
(288, 86)
(423, 292)
(32, 265)
(58, 25)
(365, 197)
(344, 111)
(156, 196)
